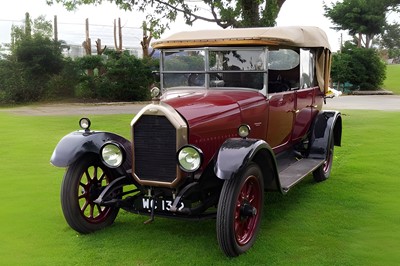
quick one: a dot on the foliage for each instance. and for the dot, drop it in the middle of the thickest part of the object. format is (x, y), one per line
(361, 67)
(341, 71)
(62, 85)
(390, 40)
(225, 13)
(42, 27)
(120, 77)
(40, 56)
(392, 81)
(38, 28)
(36, 69)
(361, 17)
(31, 72)
(363, 185)
(13, 84)
(90, 62)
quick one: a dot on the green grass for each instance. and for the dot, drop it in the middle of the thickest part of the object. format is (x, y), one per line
(392, 82)
(351, 219)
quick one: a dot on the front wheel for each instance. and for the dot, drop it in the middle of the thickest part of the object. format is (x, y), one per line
(239, 211)
(82, 184)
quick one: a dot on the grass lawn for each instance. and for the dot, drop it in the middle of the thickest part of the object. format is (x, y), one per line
(392, 82)
(351, 219)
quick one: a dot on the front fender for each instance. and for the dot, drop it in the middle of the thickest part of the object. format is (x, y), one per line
(235, 154)
(74, 145)
(327, 124)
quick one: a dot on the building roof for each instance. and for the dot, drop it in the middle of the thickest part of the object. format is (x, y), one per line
(297, 36)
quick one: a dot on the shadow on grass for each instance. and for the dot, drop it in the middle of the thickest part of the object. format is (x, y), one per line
(166, 238)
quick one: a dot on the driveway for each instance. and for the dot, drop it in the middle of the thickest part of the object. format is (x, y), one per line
(364, 102)
(367, 102)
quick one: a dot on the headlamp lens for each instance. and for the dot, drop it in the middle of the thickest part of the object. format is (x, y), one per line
(112, 155)
(84, 123)
(189, 158)
(244, 131)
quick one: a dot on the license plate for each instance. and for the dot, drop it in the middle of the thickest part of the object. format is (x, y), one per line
(161, 204)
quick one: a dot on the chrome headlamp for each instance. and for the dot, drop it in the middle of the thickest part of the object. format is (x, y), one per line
(190, 158)
(112, 154)
(244, 131)
(84, 123)
(155, 92)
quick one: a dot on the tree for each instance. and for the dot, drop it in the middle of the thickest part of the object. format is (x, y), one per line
(364, 19)
(42, 27)
(390, 40)
(225, 13)
(39, 27)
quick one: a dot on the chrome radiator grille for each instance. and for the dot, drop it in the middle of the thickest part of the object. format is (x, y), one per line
(154, 149)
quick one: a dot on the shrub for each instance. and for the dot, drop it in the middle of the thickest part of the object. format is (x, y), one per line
(121, 77)
(63, 85)
(17, 85)
(361, 67)
(34, 71)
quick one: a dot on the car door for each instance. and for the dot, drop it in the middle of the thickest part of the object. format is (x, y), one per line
(304, 112)
(281, 112)
(305, 95)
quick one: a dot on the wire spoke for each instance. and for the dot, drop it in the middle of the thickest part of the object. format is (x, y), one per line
(82, 196)
(91, 210)
(94, 173)
(88, 175)
(99, 209)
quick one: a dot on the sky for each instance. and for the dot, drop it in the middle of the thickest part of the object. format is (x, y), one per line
(71, 24)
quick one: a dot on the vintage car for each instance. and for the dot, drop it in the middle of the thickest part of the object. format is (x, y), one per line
(238, 113)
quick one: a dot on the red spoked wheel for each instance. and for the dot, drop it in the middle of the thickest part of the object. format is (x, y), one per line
(82, 184)
(239, 211)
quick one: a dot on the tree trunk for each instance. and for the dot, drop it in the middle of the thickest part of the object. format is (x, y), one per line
(55, 29)
(120, 34)
(87, 45)
(118, 44)
(250, 9)
(145, 43)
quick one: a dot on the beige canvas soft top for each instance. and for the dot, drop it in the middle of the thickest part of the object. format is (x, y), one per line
(297, 36)
(292, 36)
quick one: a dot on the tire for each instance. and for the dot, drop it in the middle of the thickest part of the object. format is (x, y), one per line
(82, 184)
(323, 172)
(239, 211)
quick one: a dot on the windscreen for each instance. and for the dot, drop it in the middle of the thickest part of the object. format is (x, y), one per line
(214, 68)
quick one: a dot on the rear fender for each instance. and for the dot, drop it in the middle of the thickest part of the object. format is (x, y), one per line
(326, 125)
(74, 145)
(235, 154)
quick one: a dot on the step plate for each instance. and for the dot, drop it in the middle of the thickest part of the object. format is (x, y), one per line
(297, 171)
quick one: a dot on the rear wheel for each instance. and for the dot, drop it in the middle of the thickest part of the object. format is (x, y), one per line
(323, 172)
(239, 211)
(82, 184)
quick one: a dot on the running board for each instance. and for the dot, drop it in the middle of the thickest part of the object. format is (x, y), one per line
(295, 172)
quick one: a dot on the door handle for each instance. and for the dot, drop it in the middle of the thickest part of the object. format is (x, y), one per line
(314, 106)
(293, 111)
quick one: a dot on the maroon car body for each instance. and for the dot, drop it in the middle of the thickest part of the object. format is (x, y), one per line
(238, 113)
